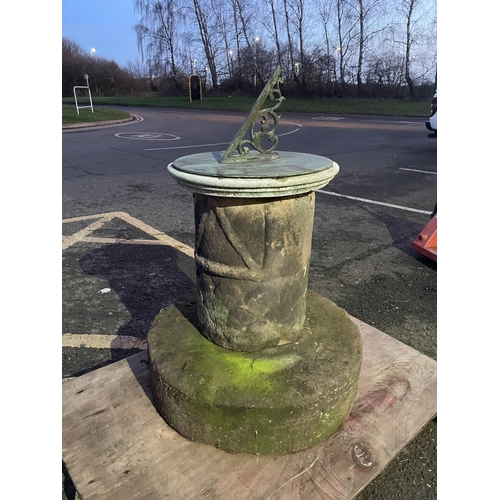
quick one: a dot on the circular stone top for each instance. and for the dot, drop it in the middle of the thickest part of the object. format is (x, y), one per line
(290, 174)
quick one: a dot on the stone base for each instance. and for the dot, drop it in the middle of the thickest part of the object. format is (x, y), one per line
(274, 401)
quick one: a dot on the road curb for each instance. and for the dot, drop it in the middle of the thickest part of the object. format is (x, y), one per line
(73, 126)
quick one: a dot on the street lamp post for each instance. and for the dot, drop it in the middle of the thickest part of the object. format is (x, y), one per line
(92, 50)
(255, 40)
(230, 52)
(339, 54)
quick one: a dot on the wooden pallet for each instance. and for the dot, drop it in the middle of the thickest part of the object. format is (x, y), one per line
(117, 447)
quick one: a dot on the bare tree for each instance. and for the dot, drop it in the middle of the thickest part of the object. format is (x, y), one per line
(345, 29)
(244, 31)
(294, 22)
(326, 19)
(237, 34)
(412, 17)
(409, 6)
(206, 19)
(387, 69)
(245, 17)
(73, 61)
(138, 73)
(157, 34)
(367, 13)
(275, 32)
(319, 44)
(361, 18)
(106, 77)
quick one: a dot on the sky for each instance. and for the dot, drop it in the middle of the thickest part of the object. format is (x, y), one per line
(105, 25)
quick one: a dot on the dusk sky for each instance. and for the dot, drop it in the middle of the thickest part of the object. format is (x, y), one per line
(105, 25)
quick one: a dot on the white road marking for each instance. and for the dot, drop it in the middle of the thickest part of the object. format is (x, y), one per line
(291, 132)
(81, 235)
(96, 341)
(147, 136)
(393, 121)
(328, 118)
(193, 146)
(218, 143)
(419, 171)
(364, 200)
(85, 234)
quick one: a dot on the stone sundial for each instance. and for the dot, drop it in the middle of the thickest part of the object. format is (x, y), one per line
(251, 361)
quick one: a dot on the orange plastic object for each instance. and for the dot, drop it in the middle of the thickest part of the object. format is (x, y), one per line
(426, 241)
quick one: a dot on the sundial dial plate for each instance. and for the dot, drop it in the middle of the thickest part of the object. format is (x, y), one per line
(287, 165)
(290, 174)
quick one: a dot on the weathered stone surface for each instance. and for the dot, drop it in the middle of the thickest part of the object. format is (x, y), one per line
(292, 174)
(273, 401)
(252, 261)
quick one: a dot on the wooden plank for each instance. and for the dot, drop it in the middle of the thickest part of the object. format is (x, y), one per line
(116, 446)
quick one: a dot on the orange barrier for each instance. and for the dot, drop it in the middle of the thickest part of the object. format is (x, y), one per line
(426, 241)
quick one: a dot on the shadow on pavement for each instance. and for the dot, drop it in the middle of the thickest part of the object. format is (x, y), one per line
(403, 233)
(146, 278)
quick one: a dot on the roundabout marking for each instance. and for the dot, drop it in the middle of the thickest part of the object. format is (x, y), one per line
(148, 136)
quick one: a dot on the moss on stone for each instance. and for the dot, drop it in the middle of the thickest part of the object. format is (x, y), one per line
(276, 400)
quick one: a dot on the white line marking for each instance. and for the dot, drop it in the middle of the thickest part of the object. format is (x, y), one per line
(392, 121)
(147, 136)
(85, 234)
(97, 341)
(120, 241)
(186, 147)
(81, 235)
(374, 202)
(217, 143)
(288, 133)
(419, 171)
(328, 118)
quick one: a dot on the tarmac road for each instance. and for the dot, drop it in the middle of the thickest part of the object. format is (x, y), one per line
(365, 221)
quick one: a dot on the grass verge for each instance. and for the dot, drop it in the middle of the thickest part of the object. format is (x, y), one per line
(383, 107)
(69, 115)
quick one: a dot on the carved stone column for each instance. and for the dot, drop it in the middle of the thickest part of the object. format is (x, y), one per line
(252, 262)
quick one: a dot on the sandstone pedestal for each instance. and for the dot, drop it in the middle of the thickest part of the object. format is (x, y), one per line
(250, 361)
(252, 263)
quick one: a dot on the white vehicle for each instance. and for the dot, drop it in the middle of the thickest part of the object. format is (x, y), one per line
(431, 123)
